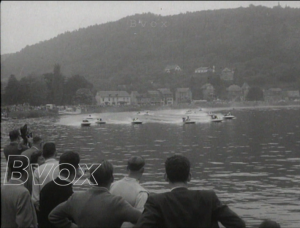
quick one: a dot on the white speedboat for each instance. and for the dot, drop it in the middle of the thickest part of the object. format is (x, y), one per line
(215, 118)
(100, 121)
(228, 116)
(85, 123)
(136, 121)
(187, 121)
(69, 111)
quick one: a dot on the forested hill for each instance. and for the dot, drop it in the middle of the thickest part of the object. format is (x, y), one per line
(262, 45)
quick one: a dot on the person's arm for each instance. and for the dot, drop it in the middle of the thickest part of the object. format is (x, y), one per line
(25, 216)
(60, 214)
(140, 201)
(150, 215)
(128, 213)
(227, 217)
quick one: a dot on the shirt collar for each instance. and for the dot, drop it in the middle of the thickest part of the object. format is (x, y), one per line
(50, 160)
(178, 187)
(130, 179)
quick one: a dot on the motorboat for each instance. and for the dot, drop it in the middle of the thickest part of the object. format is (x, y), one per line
(228, 116)
(187, 121)
(136, 121)
(69, 111)
(100, 121)
(85, 123)
(215, 118)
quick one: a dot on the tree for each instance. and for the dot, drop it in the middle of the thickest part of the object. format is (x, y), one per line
(255, 94)
(12, 91)
(84, 96)
(57, 85)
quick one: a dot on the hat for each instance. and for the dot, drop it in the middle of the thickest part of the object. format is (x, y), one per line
(135, 163)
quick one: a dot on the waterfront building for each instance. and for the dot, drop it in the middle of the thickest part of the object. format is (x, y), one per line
(183, 95)
(167, 96)
(113, 98)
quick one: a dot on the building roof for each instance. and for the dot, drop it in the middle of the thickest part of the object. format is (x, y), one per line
(112, 93)
(165, 91)
(234, 88)
(183, 90)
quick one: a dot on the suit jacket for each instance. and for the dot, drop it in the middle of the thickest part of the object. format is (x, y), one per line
(51, 195)
(17, 209)
(95, 207)
(14, 148)
(187, 208)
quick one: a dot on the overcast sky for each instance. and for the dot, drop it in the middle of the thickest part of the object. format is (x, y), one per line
(29, 22)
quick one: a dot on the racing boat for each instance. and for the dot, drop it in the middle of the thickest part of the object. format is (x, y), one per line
(100, 121)
(85, 123)
(136, 121)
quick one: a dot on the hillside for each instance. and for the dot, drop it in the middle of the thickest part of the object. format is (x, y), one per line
(261, 44)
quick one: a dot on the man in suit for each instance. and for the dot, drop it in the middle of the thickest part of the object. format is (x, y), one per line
(15, 146)
(17, 209)
(60, 189)
(129, 187)
(182, 207)
(95, 207)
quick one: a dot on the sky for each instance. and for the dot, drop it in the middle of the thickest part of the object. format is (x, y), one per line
(29, 22)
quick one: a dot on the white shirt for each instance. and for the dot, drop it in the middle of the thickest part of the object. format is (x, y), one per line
(43, 175)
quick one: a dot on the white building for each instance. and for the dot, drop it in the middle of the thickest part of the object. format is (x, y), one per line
(113, 98)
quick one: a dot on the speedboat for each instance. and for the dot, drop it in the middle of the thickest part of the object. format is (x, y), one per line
(90, 117)
(100, 121)
(85, 123)
(228, 116)
(136, 121)
(215, 118)
(187, 121)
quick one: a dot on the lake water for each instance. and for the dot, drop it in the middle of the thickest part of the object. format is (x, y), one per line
(251, 162)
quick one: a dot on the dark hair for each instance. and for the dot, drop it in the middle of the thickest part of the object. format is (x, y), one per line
(70, 159)
(17, 163)
(135, 163)
(49, 150)
(34, 156)
(269, 224)
(36, 139)
(14, 135)
(177, 168)
(103, 173)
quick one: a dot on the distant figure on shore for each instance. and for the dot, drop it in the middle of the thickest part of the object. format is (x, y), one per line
(269, 224)
(129, 187)
(96, 207)
(60, 189)
(44, 173)
(182, 207)
(17, 209)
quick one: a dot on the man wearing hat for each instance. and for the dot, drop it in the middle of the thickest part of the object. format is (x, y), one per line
(129, 188)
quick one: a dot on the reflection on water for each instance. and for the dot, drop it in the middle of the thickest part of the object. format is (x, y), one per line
(252, 162)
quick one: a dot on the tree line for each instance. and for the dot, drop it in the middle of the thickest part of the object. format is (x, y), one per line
(49, 88)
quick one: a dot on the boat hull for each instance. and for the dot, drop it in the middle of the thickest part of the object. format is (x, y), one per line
(190, 122)
(85, 124)
(137, 122)
(100, 122)
(228, 117)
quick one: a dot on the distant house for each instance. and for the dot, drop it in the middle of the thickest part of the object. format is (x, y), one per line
(172, 68)
(227, 74)
(208, 92)
(134, 97)
(234, 93)
(155, 97)
(167, 96)
(183, 95)
(273, 94)
(113, 98)
(202, 70)
(293, 95)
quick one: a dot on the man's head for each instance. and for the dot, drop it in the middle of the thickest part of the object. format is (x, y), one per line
(69, 163)
(37, 141)
(135, 167)
(14, 135)
(49, 150)
(103, 174)
(177, 169)
(18, 165)
(269, 224)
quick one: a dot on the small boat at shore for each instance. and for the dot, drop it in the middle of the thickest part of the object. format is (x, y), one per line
(136, 121)
(85, 123)
(100, 121)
